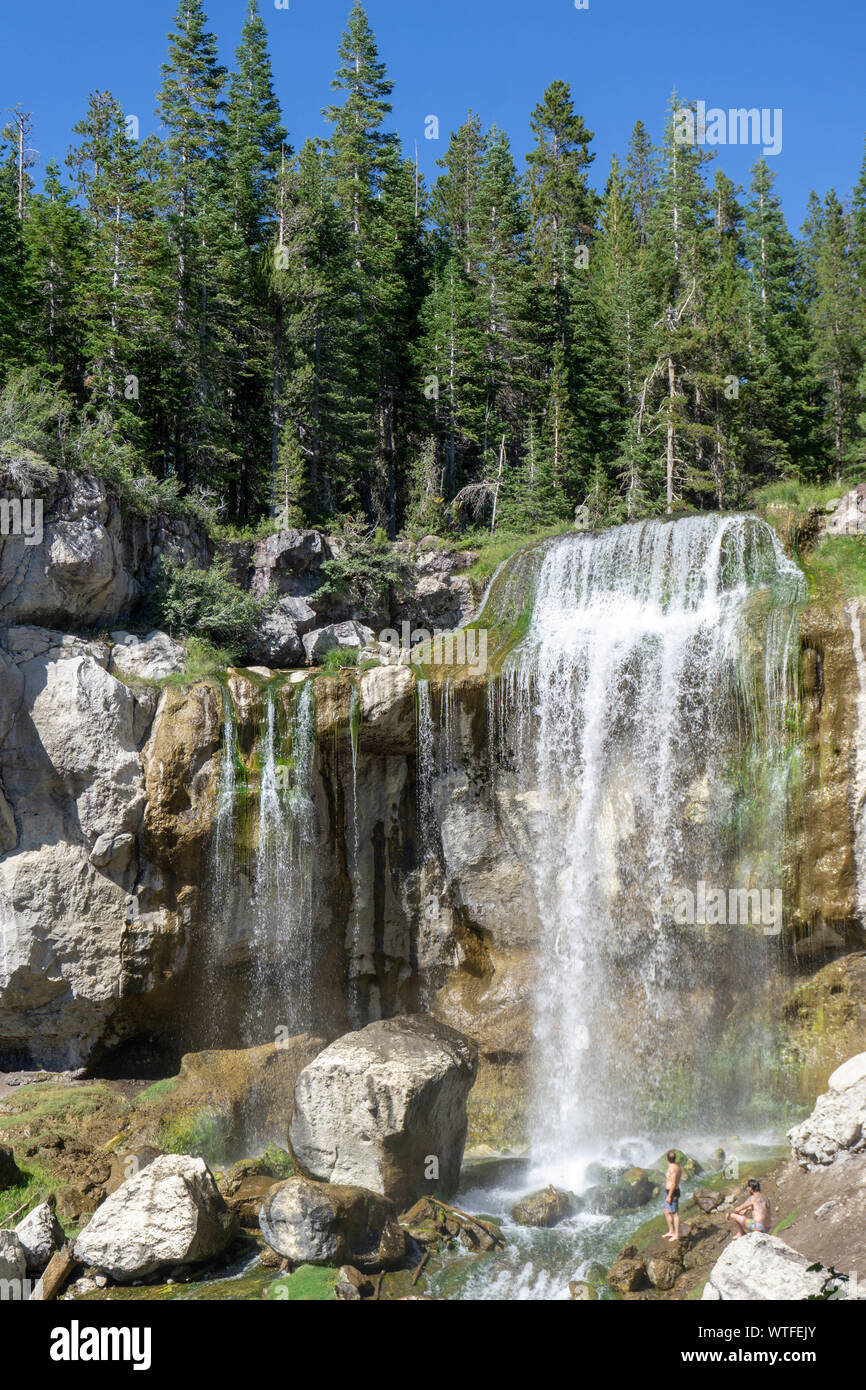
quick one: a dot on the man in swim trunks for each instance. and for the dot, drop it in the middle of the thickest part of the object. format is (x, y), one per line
(672, 1197)
(758, 1206)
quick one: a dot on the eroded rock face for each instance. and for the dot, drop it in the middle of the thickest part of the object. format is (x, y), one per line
(71, 775)
(332, 1224)
(94, 557)
(170, 1213)
(761, 1268)
(385, 1108)
(837, 1125)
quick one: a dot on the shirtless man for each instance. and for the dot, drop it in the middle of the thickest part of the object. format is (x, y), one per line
(672, 1197)
(758, 1206)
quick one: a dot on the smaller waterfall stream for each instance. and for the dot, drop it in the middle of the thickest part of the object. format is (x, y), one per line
(283, 893)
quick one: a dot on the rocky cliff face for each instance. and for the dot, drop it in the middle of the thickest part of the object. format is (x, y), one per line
(115, 924)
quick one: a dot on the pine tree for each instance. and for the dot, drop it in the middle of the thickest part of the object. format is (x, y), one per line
(836, 353)
(55, 242)
(255, 150)
(190, 105)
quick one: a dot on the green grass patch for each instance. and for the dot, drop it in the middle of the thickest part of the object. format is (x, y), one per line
(492, 550)
(35, 1186)
(836, 569)
(157, 1091)
(44, 1104)
(339, 659)
(797, 495)
(199, 1134)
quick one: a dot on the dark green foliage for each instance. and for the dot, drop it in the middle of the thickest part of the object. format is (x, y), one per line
(219, 323)
(205, 603)
(365, 568)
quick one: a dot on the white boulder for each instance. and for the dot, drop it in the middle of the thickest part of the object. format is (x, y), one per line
(836, 1125)
(762, 1268)
(385, 1108)
(170, 1213)
(40, 1234)
(150, 658)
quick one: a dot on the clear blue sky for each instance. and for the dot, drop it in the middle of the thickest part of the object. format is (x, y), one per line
(622, 58)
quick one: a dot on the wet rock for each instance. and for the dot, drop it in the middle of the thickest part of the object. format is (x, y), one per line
(171, 1213)
(627, 1274)
(385, 1108)
(245, 1199)
(332, 1224)
(40, 1234)
(350, 1275)
(545, 1208)
(664, 1267)
(690, 1166)
(581, 1292)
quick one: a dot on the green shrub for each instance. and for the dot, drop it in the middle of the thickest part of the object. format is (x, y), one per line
(366, 568)
(205, 603)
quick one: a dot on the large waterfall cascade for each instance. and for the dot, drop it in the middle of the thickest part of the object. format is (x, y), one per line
(655, 678)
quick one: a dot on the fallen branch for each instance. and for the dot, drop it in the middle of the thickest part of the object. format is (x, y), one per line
(417, 1275)
(473, 1220)
(12, 1215)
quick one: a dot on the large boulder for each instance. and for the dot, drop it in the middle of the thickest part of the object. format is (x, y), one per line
(332, 1224)
(40, 1234)
(385, 1108)
(276, 642)
(762, 1268)
(545, 1208)
(838, 1122)
(170, 1213)
(349, 636)
(149, 658)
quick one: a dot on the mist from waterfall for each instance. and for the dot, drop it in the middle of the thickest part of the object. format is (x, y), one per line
(656, 662)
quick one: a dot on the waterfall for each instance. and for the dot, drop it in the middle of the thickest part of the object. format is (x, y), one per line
(426, 769)
(355, 944)
(858, 809)
(657, 655)
(224, 834)
(283, 901)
